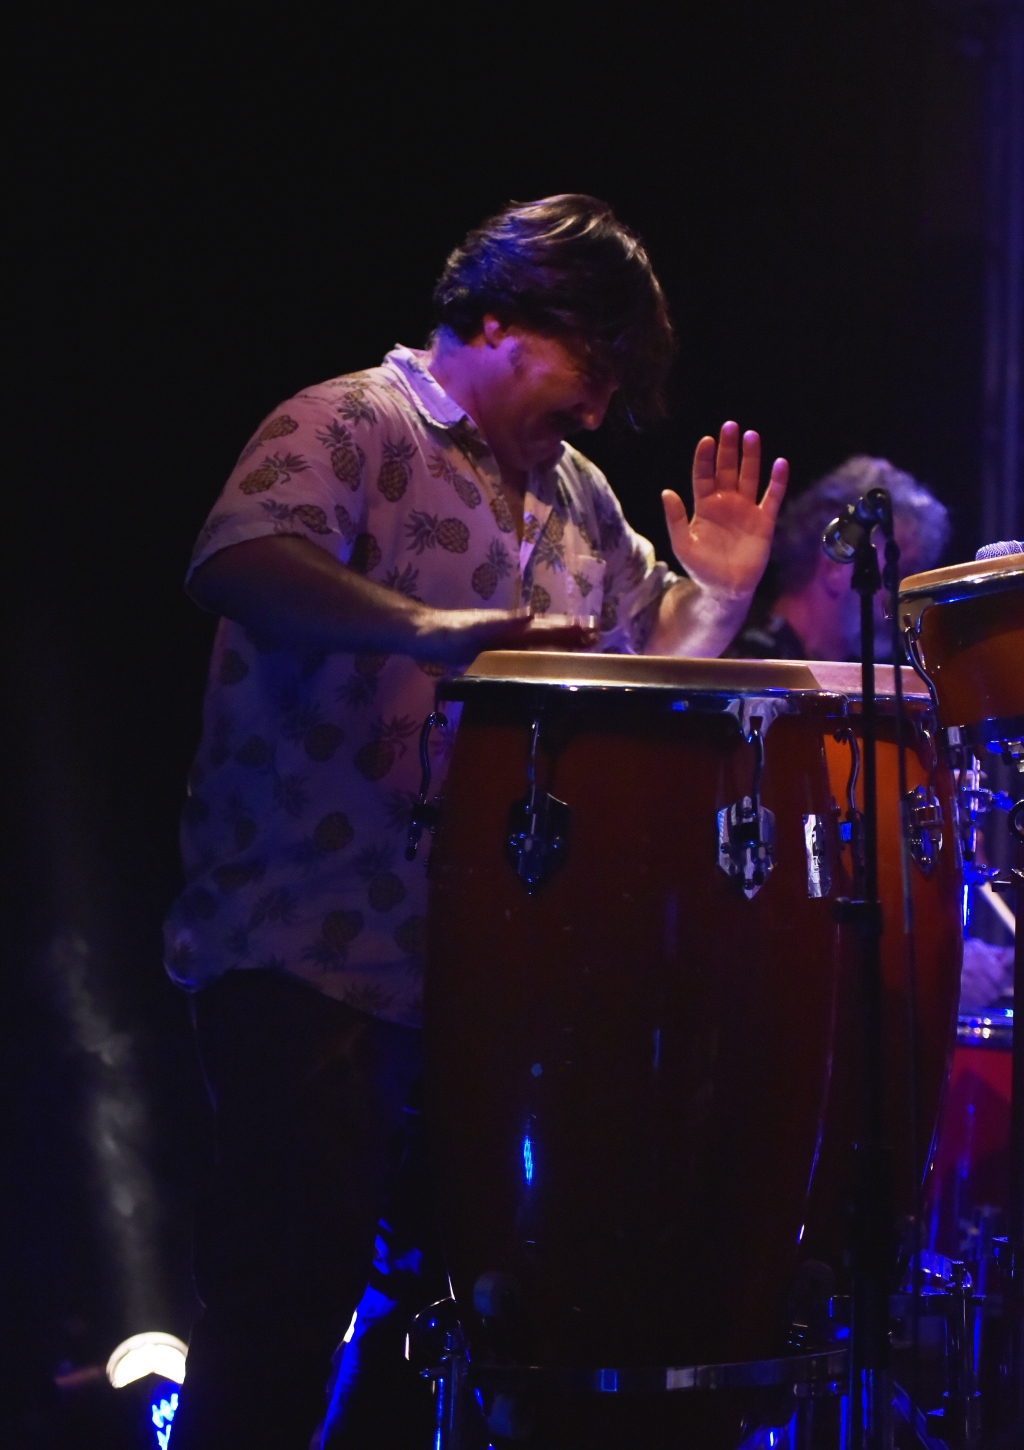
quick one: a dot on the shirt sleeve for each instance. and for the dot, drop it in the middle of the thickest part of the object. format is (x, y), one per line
(304, 472)
(634, 579)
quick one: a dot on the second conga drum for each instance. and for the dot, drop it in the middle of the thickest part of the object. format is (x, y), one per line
(628, 1043)
(965, 627)
(921, 978)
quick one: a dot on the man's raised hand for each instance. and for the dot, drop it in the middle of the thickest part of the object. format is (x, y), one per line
(725, 546)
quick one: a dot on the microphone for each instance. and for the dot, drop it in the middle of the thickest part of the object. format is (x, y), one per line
(857, 520)
(996, 551)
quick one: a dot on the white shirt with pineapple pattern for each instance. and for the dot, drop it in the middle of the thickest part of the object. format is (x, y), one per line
(294, 827)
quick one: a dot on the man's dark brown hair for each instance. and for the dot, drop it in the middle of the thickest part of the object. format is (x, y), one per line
(567, 268)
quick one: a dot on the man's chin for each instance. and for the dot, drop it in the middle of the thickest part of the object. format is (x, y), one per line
(546, 455)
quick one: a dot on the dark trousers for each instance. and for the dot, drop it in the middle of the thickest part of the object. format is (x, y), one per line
(308, 1098)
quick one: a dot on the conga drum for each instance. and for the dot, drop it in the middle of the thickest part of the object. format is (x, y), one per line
(965, 629)
(628, 1018)
(920, 975)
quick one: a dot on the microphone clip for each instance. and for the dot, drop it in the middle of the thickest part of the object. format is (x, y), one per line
(852, 530)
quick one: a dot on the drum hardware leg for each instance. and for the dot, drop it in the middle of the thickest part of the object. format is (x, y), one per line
(538, 827)
(957, 1421)
(746, 829)
(1014, 1298)
(424, 812)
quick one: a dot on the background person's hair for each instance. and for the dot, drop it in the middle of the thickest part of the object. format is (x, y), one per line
(567, 268)
(797, 543)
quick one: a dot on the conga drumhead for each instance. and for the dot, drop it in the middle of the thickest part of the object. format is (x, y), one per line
(970, 623)
(562, 669)
(627, 1066)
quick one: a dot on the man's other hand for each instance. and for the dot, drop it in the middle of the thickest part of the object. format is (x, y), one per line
(724, 548)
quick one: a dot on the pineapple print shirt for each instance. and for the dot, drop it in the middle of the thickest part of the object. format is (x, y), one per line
(294, 826)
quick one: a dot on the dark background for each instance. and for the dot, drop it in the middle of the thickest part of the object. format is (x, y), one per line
(211, 222)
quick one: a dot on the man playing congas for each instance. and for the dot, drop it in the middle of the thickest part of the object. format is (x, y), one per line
(378, 529)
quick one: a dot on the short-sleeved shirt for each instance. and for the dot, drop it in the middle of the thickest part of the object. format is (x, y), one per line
(294, 827)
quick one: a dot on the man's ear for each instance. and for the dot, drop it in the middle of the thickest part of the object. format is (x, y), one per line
(494, 332)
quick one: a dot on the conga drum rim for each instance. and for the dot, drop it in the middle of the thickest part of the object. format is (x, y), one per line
(919, 592)
(660, 681)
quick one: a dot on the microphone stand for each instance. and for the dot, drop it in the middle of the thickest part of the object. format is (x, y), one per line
(873, 1246)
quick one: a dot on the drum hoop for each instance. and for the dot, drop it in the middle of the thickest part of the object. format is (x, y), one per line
(819, 1368)
(737, 702)
(914, 601)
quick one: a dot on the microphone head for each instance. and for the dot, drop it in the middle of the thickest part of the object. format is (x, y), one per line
(842, 536)
(996, 551)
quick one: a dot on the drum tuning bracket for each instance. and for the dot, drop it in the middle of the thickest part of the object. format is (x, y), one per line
(424, 813)
(746, 829)
(851, 828)
(538, 827)
(922, 824)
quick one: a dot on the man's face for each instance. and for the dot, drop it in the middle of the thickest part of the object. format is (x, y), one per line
(536, 393)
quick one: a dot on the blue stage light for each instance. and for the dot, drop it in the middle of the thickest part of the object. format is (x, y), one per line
(162, 1412)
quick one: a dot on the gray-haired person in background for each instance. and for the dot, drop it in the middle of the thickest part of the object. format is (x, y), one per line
(806, 608)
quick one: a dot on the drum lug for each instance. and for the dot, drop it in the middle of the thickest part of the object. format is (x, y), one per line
(851, 828)
(912, 642)
(819, 876)
(538, 827)
(424, 813)
(746, 829)
(922, 824)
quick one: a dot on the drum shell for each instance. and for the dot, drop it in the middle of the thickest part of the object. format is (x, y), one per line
(973, 650)
(662, 1042)
(972, 1159)
(937, 959)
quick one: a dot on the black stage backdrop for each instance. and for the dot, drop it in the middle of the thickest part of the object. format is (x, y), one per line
(211, 223)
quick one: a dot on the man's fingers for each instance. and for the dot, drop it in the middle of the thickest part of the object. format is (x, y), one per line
(562, 632)
(727, 465)
(534, 631)
(776, 490)
(750, 468)
(675, 509)
(703, 469)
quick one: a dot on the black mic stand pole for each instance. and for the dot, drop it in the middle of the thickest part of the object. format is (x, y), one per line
(871, 1391)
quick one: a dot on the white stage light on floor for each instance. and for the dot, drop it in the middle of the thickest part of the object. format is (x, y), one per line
(149, 1353)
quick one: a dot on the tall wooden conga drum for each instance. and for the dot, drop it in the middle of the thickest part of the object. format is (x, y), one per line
(920, 972)
(965, 628)
(630, 1002)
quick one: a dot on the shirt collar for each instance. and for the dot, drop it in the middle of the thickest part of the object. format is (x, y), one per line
(430, 399)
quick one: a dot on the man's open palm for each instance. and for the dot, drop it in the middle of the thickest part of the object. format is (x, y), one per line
(725, 546)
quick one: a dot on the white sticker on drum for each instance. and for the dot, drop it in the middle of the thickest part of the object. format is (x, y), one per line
(819, 878)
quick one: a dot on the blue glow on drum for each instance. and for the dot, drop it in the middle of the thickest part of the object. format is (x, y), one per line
(528, 1160)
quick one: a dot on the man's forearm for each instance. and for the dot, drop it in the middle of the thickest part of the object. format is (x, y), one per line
(297, 595)
(693, 622)
(288, 589)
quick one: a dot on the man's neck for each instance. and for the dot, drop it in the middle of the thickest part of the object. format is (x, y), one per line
(456, 366)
